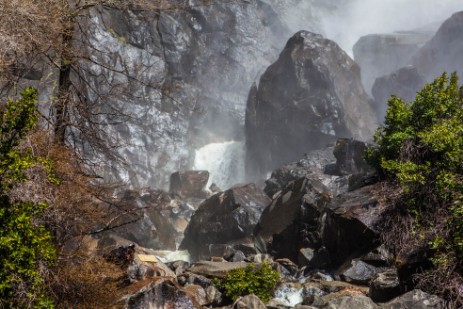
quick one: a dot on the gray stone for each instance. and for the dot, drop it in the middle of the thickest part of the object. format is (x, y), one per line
(359, 272)
(385, 286)
(415, 299)
(350, 302)
(248, 302)
(215, 269)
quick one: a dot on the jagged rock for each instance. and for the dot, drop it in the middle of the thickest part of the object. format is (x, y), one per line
(382, 54)
(415, 299)
(350, 157)
(162, 294)
(359, 272)
(189, 183)
(404, 83)
(310, 96)
(248, 302)
(293, 215)
(352, 223)
(225, 218)
(385, 286)
(312, 165)
(314, 258)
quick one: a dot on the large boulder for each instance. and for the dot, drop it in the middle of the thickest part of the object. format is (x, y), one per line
(225, 218)
(292, 220)
(352, 223)
(310, 96)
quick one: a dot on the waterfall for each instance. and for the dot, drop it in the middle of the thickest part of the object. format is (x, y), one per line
(224, 161)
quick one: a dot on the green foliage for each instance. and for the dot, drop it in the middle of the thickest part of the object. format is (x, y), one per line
(25, 245)
(260, 280)
(421, 146)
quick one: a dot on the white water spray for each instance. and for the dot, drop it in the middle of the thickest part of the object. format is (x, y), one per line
(224, 161)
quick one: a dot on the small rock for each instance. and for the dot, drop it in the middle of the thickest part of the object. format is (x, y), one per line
(385, 286)
(249, 302)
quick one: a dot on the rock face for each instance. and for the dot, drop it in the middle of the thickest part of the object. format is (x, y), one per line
(441, 53)
(404, 83)
(310, 96)
(382, 54)
(225, 218)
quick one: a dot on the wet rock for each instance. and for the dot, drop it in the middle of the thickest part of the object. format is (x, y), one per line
(178, 267)
(162, 294)
(225, 218)
(306, 99)
(385, 286)
(350, 157)
(189, 183)
(248, 302)
(359, 272)
(415, 299)
(352, 223)
(292, 220)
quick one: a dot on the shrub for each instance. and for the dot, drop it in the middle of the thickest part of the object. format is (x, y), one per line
(25, 245)
(420, 147)
(260, 280)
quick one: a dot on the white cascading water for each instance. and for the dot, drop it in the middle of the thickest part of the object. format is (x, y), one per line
(224, 161)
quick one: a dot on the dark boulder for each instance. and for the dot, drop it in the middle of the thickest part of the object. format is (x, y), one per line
(292, 220)
(352, 223)
(189, 183)
(310, 96)
(225, 218)
(359, 272)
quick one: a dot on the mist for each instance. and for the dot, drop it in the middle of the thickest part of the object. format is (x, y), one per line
(345, 21)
